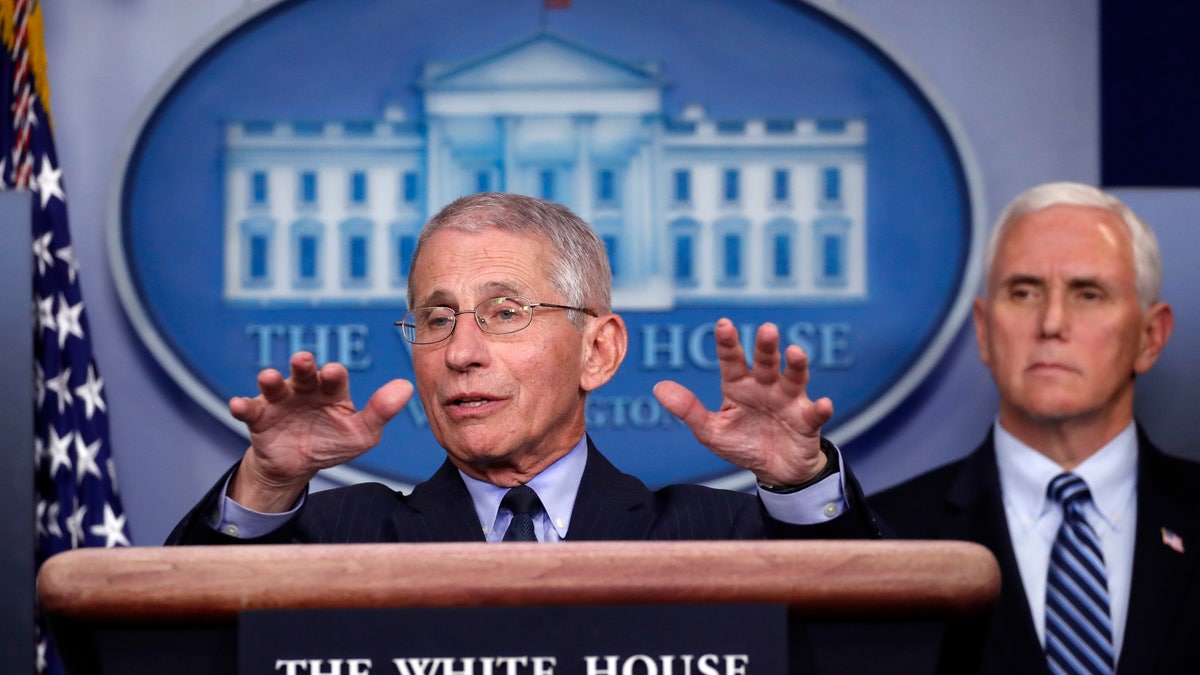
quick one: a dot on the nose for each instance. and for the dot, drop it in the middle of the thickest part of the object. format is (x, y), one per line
(1054, 315)
(467, 345)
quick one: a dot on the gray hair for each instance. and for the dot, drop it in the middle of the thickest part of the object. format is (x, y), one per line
(1147, 260)
(579, 266)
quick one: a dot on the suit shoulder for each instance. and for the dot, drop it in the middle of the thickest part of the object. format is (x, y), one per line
(702, 494)
(910, 508)
(360, 513)
(926, 487)
(359, 492)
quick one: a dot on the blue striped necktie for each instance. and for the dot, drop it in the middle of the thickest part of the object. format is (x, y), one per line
(1078, 629)
(523, 502)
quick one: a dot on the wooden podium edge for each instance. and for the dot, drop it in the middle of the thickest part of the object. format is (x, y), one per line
(815, 579)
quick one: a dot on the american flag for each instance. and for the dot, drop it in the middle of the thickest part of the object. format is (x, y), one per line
(75, 484)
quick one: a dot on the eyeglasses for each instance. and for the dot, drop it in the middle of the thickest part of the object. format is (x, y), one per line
(498, 316)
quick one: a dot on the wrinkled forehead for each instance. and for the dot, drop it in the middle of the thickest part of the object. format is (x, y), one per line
(462, 267)
(1071, 239)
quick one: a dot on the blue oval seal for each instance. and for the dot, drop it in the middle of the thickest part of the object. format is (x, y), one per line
(765, 161)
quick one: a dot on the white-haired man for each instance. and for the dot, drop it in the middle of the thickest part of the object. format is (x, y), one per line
(1095, 529)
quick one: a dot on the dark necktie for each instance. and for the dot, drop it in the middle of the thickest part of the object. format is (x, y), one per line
(523, 502)
(1078, 629)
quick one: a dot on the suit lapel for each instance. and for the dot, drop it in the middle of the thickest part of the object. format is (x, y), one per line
(974, 496)
(440, 509)
(1159, 572)
(610, 505)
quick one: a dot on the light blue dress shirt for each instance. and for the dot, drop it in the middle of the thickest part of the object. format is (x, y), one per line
(1033, 519)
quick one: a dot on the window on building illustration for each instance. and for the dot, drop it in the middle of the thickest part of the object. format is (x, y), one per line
(308, 128)
(356, 252)
(685, 255)
(831, 184)
(258, 188)
(781, 256)
(682, 186)
(260, 250)
(831, 126)
(358, 258)
(731, 126)
(546, 184)
(309, 250)
(410, 187)
(832, 251)
(731, 255)
(257, 236)
(684, 235)
(780, 188)
(832, 256)
(483, 181)
(358, 187)
(731, 185)
(308, 188)
(778, 126)
(306, 238)
(258, 128)
(359, 128)
(606, 187)
(779, 238)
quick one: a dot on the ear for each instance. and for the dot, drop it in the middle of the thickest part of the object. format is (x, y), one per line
(1157, 324)
(981, 330)
(605, 340)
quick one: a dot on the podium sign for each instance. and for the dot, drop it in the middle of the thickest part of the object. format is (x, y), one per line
(851, 606)
(735, 639)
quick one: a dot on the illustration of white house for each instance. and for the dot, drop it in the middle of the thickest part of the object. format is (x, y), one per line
(694, 210)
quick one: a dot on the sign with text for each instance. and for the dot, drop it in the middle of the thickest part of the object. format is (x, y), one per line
(790, 170)
(606, 640)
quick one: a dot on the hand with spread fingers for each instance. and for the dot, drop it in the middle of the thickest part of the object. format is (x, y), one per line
(303, 424)
(766, 424)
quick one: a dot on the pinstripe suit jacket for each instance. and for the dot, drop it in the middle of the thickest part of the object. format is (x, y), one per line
(963, 501)
(610, 505)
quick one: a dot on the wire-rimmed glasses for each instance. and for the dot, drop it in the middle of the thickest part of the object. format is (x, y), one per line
(497, 316)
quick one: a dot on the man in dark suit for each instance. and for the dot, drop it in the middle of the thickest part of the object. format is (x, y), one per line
(511, 328)
(1069, 316)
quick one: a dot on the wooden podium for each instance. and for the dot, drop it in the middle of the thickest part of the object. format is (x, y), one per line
(175, 609)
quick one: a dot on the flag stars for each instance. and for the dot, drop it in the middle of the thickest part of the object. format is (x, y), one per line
(91, 394)
(75, 525)
(67, 255)
(39, 452)
(39, 385)
(45, 315)
(60, 451)
(41, 252)
(68, 321)
(41, 518)
(49, 182)
(112, 529)
(112, 473)
(85, 459)
(47, 513)
(61, 386)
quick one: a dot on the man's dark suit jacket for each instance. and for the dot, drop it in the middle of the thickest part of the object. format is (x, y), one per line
(1162, 633)
(610, 505)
